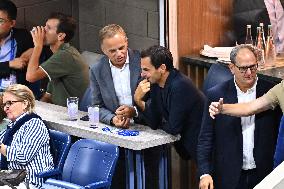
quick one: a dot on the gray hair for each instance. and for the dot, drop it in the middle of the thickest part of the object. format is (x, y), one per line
(22, 92)
(236, 50)
(110, 31)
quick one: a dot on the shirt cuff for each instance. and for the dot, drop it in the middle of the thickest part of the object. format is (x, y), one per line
(204, 175)
(136, 111)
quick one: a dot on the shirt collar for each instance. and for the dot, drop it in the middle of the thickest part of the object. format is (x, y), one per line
(126, 62)
(249, 91)
(8, 37)
(64, 46)
(11, 123)
(171, 76)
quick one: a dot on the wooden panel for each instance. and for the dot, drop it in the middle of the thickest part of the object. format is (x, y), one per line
(202, 22)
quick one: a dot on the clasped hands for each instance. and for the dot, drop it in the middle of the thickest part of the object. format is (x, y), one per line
(122, 117)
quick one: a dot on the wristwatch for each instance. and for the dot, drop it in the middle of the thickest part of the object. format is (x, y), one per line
(111, 121)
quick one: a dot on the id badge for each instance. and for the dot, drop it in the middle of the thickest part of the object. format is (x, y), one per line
(5, 83)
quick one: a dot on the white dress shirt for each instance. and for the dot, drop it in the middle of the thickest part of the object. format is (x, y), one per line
(248, 126)
(276, 16)
(121, 81)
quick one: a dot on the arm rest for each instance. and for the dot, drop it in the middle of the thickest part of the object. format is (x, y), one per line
(49, 173)
(63, 184)
(99, 184)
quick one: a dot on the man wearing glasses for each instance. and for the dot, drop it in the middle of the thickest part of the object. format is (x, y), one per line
(237, 152)
(13, 42)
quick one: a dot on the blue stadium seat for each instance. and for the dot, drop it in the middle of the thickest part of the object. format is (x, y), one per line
(61, 143)
(217, 73)
(89, 164)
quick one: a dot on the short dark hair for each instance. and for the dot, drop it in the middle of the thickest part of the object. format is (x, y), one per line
(159, 55)
(66, 25)
(235, 52)
(10, 8)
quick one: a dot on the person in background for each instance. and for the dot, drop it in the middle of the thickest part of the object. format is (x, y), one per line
(276, 16)
(25, 142)
(234, 152)
(175, 105)
(66, 70)
(3, 121)
(13, 43)
(114, 78)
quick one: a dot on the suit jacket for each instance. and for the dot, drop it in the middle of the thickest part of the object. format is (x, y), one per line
(177, 109)
(24, 42)
(220, 144)
(102, 87)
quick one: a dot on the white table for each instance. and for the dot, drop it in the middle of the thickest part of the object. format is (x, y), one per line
(147, 138)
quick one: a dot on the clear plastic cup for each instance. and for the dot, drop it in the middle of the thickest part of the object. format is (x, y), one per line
(94, 114)
(72, 106)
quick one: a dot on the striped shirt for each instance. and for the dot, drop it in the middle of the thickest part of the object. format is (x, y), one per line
(30, 149)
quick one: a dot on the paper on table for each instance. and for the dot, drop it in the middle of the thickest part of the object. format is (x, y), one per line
(218, 52)
(224, 60)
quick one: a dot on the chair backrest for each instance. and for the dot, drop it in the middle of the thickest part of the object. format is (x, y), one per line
(86, 100)
(61, 143)
(91, 57)
(217, 74)
(279, 150)
(90, 161)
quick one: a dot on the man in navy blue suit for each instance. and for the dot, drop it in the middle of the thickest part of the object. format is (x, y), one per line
(174, 105)
(234, 152)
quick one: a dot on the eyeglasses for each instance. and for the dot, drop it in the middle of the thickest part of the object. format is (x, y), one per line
(244, 69)
(10, 103)
(3, 21)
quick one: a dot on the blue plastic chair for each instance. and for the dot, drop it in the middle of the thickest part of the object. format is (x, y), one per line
(86, 100)
(89, 164)
(279, 150)
(61, 145)
(217, 73)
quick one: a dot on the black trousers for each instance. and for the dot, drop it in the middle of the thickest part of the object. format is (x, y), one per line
(248, 179)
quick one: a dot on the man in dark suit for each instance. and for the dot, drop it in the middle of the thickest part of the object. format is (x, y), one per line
(13, 42)
(175, 104)
(114, 78)
(234, 152)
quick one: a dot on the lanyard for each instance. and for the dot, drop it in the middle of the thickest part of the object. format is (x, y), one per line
(12, 52)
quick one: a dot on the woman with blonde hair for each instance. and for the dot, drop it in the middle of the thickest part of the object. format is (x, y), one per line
(25, 142)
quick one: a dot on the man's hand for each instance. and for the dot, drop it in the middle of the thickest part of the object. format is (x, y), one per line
(121, 123)
(18, 63)
(141, 90)
(206, 182)
(216, 108)
(125, 111)
(46, 98)
(38, 34)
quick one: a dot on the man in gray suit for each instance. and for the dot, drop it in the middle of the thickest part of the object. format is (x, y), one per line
(113, 81)
(114, 78)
